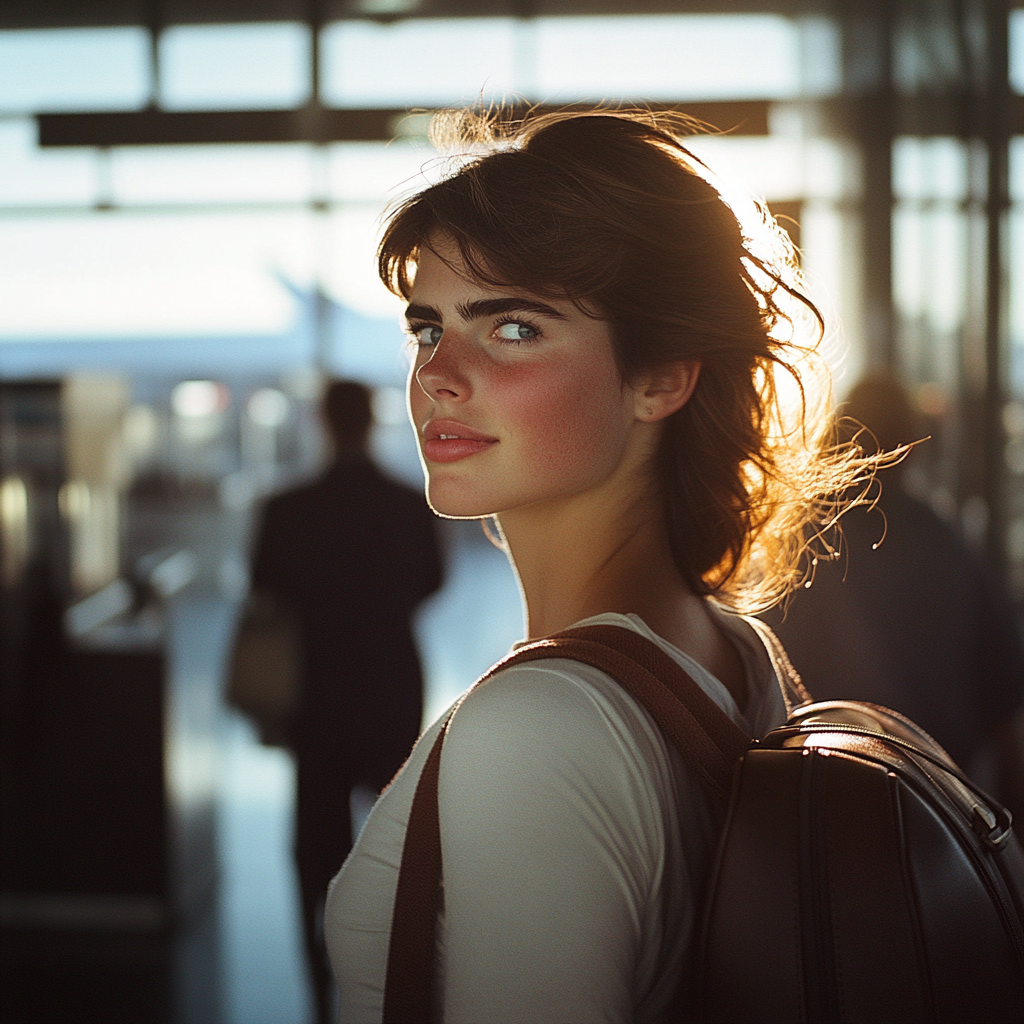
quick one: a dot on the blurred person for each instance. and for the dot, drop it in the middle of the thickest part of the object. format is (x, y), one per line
(912, 620)
(599, 351)
(351, 555)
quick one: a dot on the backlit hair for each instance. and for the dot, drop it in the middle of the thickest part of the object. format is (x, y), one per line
(610, 210)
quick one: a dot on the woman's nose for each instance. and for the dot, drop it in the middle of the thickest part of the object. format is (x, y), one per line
(444, 375)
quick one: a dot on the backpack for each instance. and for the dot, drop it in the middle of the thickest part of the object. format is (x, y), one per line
(860, 877)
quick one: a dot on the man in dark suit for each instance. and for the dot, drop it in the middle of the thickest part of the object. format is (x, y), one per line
(351, 555)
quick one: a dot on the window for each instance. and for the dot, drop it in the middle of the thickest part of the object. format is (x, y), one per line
(74, 69)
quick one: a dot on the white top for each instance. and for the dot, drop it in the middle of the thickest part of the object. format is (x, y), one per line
(572, 838)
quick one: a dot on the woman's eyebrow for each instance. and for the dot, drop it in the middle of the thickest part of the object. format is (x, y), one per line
(492, 307)
(415, 311)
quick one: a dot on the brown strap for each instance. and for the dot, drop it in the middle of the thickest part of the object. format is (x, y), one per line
(794, 693)
(708, 741)
(408, 993)
(695, 725)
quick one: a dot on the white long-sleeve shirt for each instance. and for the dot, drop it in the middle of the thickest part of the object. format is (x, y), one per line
(573, 838)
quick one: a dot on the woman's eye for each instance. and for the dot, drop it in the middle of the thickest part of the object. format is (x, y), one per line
(516, 332)
(428, 335)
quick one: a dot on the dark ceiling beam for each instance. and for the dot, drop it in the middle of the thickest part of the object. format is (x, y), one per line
(920, 116)
(84, 13)
(950, 115)
(313, 124)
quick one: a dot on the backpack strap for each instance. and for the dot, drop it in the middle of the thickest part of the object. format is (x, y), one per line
(794, 693)
(707, 740)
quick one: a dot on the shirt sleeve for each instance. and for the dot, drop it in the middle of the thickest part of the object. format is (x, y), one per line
(553, 848)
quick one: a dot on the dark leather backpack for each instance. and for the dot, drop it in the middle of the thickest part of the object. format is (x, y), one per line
(861, 877)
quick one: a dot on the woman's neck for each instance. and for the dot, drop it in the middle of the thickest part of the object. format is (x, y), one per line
(578, 560)
(573, 562)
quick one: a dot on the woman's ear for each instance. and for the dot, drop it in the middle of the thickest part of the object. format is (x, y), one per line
(666, 391)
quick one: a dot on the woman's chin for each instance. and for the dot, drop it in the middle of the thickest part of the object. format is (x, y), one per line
(457, 506)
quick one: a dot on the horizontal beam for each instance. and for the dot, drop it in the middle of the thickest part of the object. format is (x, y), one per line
(960, 115)
(173, 128)
(956, 115)
(316, 124)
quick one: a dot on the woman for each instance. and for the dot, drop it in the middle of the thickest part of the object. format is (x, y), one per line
(600, 365)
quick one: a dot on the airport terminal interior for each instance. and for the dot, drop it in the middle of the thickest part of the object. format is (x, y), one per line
(191, 193)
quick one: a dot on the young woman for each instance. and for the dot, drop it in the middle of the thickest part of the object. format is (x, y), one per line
(623, 377)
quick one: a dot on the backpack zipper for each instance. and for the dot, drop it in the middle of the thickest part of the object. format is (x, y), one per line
(821, 987)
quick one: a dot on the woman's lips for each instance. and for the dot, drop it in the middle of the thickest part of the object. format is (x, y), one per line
(449, 441)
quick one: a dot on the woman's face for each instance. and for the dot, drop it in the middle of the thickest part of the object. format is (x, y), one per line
(516, 399)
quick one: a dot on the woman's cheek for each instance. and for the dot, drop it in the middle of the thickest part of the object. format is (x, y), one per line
(568, 423)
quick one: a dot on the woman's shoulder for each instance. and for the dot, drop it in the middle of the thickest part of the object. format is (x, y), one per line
(563, 729)
(565, 697)
(555, 754)
(556, 697)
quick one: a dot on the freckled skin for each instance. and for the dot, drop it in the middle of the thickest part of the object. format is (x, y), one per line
(556, 403)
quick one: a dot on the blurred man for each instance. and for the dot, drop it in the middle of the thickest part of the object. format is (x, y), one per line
(351, 555)
(916, 625)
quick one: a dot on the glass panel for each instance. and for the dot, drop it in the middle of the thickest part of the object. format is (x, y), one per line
(29, 176)
(371, 171)
(136, 276)
(219, 67)
(350, 266)
(74, 69)
(928, 49)
(654, 57)
(831, 169)
(210, 174)
(828, 235)
(1017, 49)
(821, 61)
(770, 167)
(1017, 169)
(938, 237)
(668, 57)
(930, 169)
(928, 288)
(441, 61)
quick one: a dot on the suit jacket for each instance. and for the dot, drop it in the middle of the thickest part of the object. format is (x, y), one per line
(352, 554)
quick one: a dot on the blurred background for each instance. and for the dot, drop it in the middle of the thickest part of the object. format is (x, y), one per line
(190, 192)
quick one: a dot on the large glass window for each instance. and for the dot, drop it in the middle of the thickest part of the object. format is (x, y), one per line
(666, 57)
(31, 177)
(233, 241)
(435, 62)
(74, 69)
(1017, 49)
(223, 67)
(651, 57)
(938, 226)
(124, 275)
(232, 174)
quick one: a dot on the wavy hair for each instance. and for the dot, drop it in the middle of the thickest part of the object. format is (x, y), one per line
(609, 209)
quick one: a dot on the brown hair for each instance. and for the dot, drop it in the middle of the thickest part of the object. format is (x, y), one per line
(610, 210)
